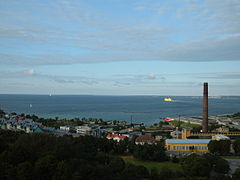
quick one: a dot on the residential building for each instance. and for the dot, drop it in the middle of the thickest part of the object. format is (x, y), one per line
(145, 139)
(116, 137)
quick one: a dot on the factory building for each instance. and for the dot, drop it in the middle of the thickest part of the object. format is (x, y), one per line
(187, 145)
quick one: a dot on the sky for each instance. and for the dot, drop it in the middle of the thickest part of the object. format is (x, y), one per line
(120, 47)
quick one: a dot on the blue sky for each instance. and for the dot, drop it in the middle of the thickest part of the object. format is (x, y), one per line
(120, 47)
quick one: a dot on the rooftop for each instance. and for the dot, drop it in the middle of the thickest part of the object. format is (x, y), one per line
(188, 141)
(145, 139)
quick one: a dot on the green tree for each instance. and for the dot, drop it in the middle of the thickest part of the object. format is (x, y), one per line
(45, 167)
(63, 171)
(236, 146)
(2, 113)
(214, 147)
(24, 170)
(134, 172)
(195, 165)
(154, 174)
(150, 152)
(116, 165)
(221, 147)
(221, 166)
(217, 163)
(166, 173)
(236, 174)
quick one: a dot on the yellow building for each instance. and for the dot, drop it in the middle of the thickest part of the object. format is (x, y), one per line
(186, 133)
(191, 145)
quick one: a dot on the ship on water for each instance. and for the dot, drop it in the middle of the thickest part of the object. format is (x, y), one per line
(168, 99)
(167, 119)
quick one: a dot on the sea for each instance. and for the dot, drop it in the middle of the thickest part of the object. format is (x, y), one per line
(135, 109)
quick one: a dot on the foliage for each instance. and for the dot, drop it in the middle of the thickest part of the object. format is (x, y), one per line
(195, 165)
(236, 174)
(45, 156)
(2, 113)
(150, 152)
(218, 164)
(236, 146)
(236, 115)
(176, 123)
(221, 147)
(221, 166)
(134, 172)
(213, 127)
(202, 166)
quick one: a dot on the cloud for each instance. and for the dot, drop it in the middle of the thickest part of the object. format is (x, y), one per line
(63, 80)
(193, 31)
(222, 75)
(29, 72)
(151, 76)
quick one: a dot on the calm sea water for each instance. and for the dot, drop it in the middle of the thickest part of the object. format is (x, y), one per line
(146, 109)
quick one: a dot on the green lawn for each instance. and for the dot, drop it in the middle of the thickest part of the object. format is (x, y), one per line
(158, 165)
(182, 124)
(189, 125)
(231, 157)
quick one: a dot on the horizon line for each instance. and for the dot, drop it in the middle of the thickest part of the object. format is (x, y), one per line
(50, 94)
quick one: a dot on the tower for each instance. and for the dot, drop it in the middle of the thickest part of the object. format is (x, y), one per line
(205, 108)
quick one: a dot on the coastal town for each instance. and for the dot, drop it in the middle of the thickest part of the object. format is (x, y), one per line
(172, 138)
(167, 131)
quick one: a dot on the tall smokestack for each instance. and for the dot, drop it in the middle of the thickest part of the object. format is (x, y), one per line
(205, 108)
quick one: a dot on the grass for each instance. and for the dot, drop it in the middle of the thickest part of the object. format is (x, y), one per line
(231, 157)
(182, 124)
(158, 165)
(190, 125)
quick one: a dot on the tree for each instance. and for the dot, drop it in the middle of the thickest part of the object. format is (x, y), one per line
(214, 147)
(150, 152)
(236, 146)
(2, 113)
(45, 167)
(24, 170)
(154, 174)
(221, 166)
(116, 165)
(225, 146)
(134, 172)
(195, 165)
(166, 173)
(62, 172)
(217, 163)
(219, 147)
(236, 174)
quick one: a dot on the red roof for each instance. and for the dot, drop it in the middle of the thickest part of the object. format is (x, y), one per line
(19, 118)
(111, 136)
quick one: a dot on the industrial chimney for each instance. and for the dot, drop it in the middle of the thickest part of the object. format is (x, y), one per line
(205, 108)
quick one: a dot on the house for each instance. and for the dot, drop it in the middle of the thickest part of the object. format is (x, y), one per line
(89, 129)
(145, 139)
(176, 134)
(38, 130)
(19, 118)
(116, 137)
(129, 133)
(219, 137)
(65, 128)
